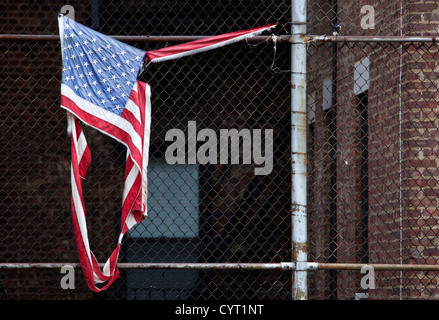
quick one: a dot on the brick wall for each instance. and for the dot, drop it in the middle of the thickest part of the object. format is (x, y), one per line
(402, 174)
(421, 134)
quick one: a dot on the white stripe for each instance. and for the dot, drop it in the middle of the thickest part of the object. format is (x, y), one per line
(81, 146)
(209, 47)
(134, 109)
(106, 269)
(129, 181)
(135, 86)
(108, 116)
(80, 214)
(146, 142)
(130, 221)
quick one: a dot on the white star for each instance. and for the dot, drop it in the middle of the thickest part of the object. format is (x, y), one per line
(80, 33)
(113, 56)
(77, 66)
(127, 61)
(85, 64)
(81, 76)
(103, 101)
(95, 61)
(132, 70)
(100, 71)
(73, 56)
(85, 85)
(76, 87)
(89, 94)
(99, 49)
(124, 74)
(90, 74)
(122, 52)
(94, 40)
(81, 54)
(77, 44)
(113, 98)
(128, 83)
(117, 107)
(137, 58)
(108, 46)
(104, 80)
(104, 58)
(123, 95)
(94, 83)
(108, 89)
(118, 65)
(109, 68)
(118, 86)
(113, 77)
(85, 42)
(99, 92)
(67, 78)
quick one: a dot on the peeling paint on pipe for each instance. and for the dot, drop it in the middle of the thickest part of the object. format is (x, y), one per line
(298, 148)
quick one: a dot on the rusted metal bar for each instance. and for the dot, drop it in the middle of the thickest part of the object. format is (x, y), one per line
(376, 266)
(298, 148)
(127, 265)
(325, 38)
(152, 38)
(282, 266)
(255, 39)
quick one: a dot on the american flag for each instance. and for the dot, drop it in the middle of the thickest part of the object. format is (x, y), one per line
(99, 86)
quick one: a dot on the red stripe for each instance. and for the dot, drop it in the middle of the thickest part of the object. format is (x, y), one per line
(129, 116)
(132, 201)
(104, 126)
(139, 98)
(82, 251)
(85, 160)
(87, 266)
(202, 43)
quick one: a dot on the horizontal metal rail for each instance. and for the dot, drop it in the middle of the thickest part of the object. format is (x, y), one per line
(127, 265)
(255, 39)
(152, 38)
(325, 38)
(375, 266)
(311, 266)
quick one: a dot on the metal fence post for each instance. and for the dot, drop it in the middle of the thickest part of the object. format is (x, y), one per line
(298, 149)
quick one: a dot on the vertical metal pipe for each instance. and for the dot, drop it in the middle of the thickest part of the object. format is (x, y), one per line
(298, 149)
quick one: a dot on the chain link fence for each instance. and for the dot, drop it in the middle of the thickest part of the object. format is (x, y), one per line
(371, 139)
(212, 213)
(372, 147)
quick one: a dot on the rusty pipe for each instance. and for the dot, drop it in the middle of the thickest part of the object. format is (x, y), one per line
(140, 265)
(152, 38)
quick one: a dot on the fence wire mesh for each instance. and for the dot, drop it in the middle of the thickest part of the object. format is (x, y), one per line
(372, 150)
(197, 213)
